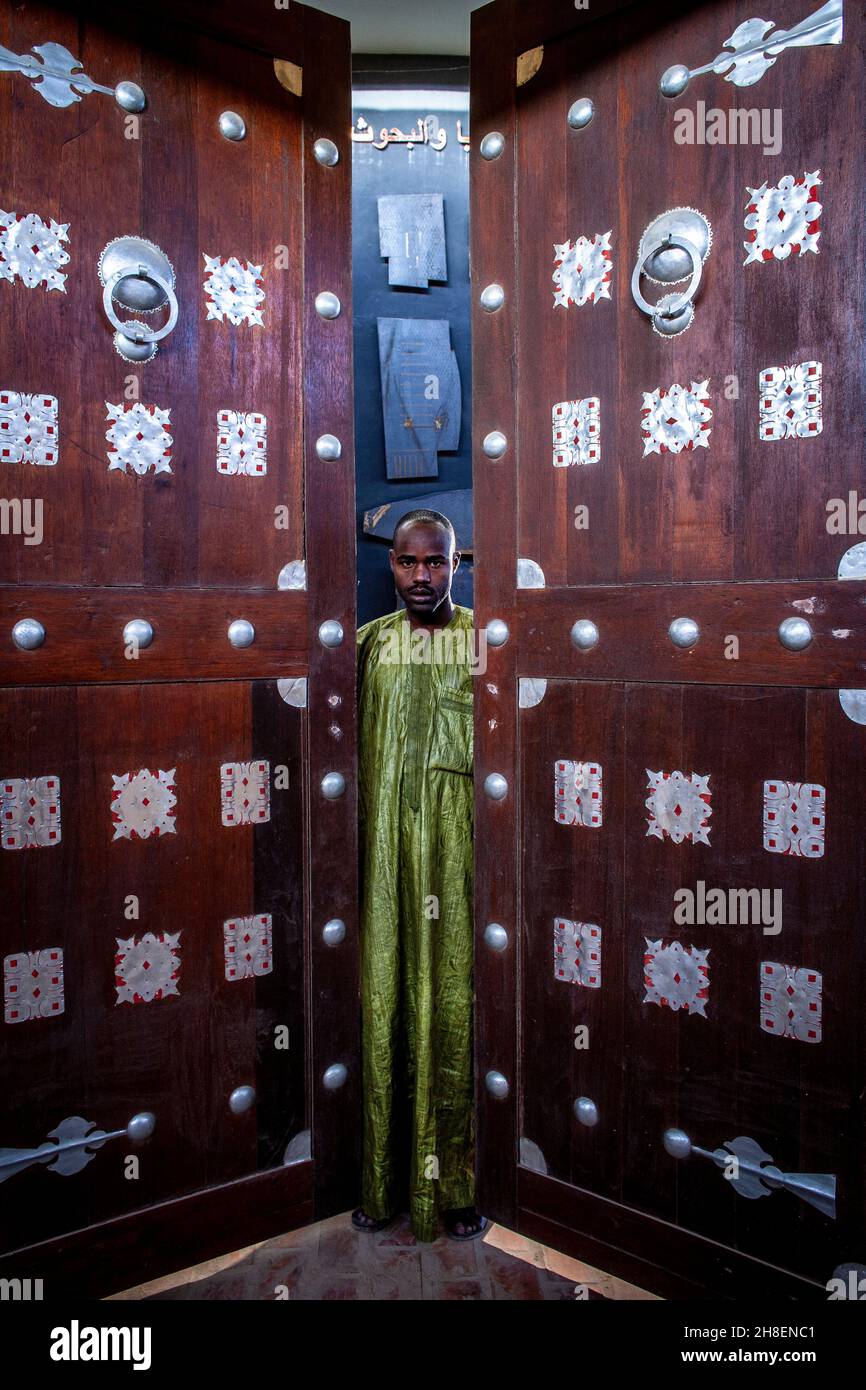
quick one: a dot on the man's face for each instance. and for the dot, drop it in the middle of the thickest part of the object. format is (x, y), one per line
(423, 562)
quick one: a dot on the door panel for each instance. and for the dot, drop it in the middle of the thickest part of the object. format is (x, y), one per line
(740, 509)
(179, 1050)
(679, 1016)
(194, 193)
(200, 850)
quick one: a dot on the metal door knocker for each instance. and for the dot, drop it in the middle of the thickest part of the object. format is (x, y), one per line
(672, 248)
(138, 276)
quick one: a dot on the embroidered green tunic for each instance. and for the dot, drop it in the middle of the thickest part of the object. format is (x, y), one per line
(416, 825)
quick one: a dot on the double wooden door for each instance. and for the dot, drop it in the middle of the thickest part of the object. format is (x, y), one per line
(670, 742)
(179, 1059)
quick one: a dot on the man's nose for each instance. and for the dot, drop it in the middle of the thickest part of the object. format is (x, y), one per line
(421, 574)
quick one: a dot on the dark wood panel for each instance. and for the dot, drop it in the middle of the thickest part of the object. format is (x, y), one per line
(743, 508)
(276, 29)
(653, 1254)
(805, 308)
(179, 1057)
(180, 184)
(633, 623)
(279, 888)
(492, 107)
(191, 551)
(84, 635)
(164, 1239)
(330, 523)
(42, 910)
(721, 1076)
(157, 1056)
(734, 537)
(573, 872)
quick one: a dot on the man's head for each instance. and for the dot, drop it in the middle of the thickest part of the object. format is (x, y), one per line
(423, 560)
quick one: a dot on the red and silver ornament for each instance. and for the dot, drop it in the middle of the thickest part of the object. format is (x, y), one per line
(676, 419)
(582, 270)
(782, 218)
(29, 430)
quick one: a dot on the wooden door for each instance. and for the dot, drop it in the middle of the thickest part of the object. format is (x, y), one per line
(626, 479)
(178, 821)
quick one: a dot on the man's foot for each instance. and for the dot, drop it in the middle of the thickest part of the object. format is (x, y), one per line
(464, 1223)
(362, 1222)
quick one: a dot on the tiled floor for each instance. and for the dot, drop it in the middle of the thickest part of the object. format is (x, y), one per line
(331, 1260)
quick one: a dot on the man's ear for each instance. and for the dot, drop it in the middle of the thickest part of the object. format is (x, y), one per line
(457, 558)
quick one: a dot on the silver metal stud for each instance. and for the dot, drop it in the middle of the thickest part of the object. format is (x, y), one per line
(328, 447)
(129, 96)
(328, 305)
(586, 1111)
(496, 786)
(28, 634)
(299, 1149)
(497, 632)
(232, 126)
(530, 575)
(531, 690)
(492, 145)
(674, 80)
(494, 444)
(331, 633)
(326, 152)
(684, 632)
(492, 297)
(677, 1143)
(334, 932)
(137, 633)
(293, 575)
(580, 113)
(853, 703)
(853, 562)
(335, 1077)
(241, 1099)
(496, 1085)
(584, 634)
(141, 1126)
(795, 634)
(293, 689)
(495, 936)
(333, 784)
(241, 633)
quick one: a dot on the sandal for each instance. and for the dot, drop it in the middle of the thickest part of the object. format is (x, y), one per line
(362, 1222)
(464, 1216)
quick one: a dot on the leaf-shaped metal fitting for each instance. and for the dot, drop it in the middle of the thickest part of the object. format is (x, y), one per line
(754, 47)
(58, 77)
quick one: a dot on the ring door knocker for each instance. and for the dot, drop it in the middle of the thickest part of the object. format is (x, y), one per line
(672, 248)
(138, 276)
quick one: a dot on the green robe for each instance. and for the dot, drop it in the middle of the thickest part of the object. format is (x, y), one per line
(416, 823)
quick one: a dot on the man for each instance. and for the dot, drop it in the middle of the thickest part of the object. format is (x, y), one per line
(416, 811)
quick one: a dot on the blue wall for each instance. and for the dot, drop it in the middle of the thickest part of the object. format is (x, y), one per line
(399, 170)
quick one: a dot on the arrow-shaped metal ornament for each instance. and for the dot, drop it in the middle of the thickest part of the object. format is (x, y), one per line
(58, 77)
(754, 1173)
(754, 47)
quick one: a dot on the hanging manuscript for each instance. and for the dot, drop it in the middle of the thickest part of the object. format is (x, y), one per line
(412, 236)
(421, 398)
